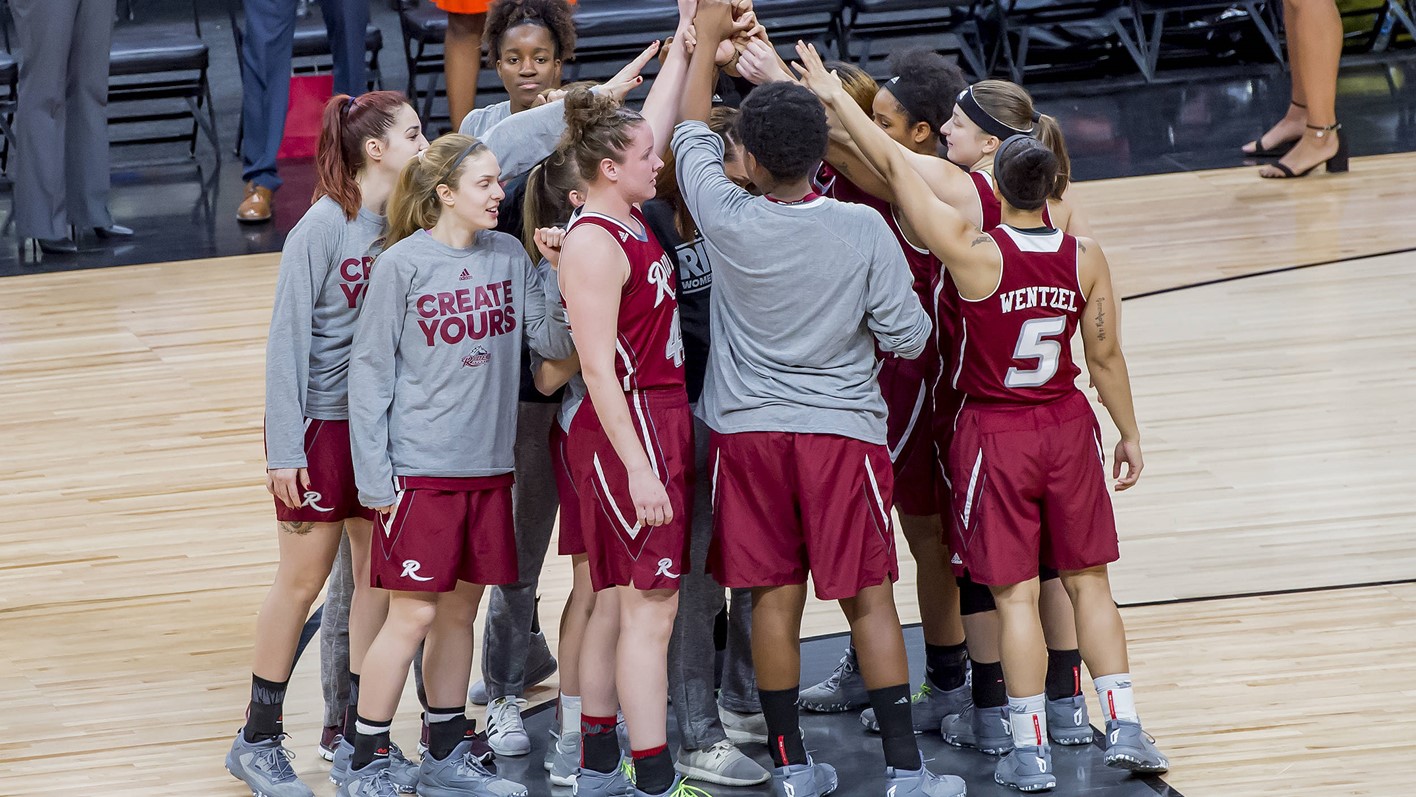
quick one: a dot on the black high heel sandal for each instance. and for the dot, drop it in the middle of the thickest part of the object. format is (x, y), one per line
(1277, 150)
(1335, 165)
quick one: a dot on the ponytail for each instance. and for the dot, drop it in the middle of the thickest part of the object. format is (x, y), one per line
(414, 204)
(1011, 105)
(547, 202)
(1050, 134)
(346, 123)
(596, 127)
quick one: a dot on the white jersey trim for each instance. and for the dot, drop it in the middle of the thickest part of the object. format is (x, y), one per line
(642, 237)
(1045, 243)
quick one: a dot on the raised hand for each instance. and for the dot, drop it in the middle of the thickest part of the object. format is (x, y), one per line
(759, 63)
(628, 78)
(825, 84)
(549, 240)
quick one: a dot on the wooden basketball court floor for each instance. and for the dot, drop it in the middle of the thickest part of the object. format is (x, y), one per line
(1268, 566)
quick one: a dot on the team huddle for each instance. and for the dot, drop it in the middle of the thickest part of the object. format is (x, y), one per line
(725, 370)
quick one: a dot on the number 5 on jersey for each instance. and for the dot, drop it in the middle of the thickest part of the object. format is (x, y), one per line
(1034, 343)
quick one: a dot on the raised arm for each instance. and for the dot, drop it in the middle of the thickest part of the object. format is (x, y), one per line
(1101, 340)
(661, 107)
(971, 258)
(593, 271)
(713, 25)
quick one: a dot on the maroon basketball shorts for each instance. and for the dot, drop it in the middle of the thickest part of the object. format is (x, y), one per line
(786, 504)
(622, 551)
(571, 538)
(445, 530)
(905, 384)
(331, 496)
(1029, 488)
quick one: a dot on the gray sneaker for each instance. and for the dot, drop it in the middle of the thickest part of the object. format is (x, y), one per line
(540, 665)
(563, 759)
(844, 690)
(401, 771)
(804, 780)
(371, 781)
(1130, 748)
(619, 783)
(722, 764)
(922, 783)
(1067, 721)
(265, 767)
(462, 775)
(929, 708)
(1027, 769)
(984, 729)
(743, 728)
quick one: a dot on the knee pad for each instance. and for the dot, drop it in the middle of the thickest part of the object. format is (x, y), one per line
(974, 598)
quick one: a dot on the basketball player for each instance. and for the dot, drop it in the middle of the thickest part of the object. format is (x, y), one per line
(629, 445)
(806, 287)
(324, 269)
(1026, 465)
(433, 382)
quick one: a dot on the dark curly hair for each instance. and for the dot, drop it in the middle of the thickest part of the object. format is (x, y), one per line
(925, 86)
(784, 127)
(556, 16)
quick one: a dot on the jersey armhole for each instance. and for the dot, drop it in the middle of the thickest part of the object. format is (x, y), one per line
(1002, 263)
(624, 256)
(1080, 289)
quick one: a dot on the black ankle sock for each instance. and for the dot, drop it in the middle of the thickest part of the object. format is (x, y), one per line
(370, 741)
(536, 616)
(351, 712)
(447, 727)
(1064, 673)
(779, 708)
(892, 712)
(264, 717)
(946, 666)
(653, 770)
(599, 745)
(989, 691)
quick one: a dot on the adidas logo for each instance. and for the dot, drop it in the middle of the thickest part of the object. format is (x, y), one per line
(956, 560)
(624, 236)
(465, 275)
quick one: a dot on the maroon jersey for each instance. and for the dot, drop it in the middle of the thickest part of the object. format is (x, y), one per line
(1015, 346)
(830, 183)
(648, 344)
(992, 207)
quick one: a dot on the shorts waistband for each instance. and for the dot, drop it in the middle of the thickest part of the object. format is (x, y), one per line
(999, 417)
(657, 396)
(454, 484)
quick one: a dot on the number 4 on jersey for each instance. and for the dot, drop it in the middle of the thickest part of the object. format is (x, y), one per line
(1034, 344)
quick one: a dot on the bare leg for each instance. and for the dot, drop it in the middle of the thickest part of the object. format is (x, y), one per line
(982, 630)
(447, 654)
(1316, 27)
(462, 59)
(776, 636)
(880, 644)
(1059, 622)
(598, 695)
(1021, 640)
(641, 663)
(1101, 635)
(307, 552)
(369, 606)
(1290, 127)
(575, 620)
(410, 617)
(934, 581)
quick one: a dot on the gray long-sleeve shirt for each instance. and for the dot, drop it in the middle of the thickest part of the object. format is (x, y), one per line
(519, 140)
(433, 375)
(801, 294)
(323, 272)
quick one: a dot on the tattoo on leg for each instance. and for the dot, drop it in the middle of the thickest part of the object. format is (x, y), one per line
(296, 527)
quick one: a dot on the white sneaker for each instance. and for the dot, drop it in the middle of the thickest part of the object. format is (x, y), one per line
(722, 764)
(506, 733)
(743, 728)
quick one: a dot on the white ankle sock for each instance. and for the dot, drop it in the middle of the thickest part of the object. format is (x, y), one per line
(1028, 716)
(570, 714)
(1117, 700)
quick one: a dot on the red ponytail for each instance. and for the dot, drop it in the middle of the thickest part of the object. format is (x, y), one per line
(346, 124)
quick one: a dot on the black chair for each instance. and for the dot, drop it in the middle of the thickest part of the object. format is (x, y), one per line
(1386, 21)
(9, 84)
(1021, 22)
(1151, 16)
(423, 26)
(154, 62)
(960, 25)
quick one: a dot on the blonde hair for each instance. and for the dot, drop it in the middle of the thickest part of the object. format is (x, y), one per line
(414, 204)
(1011, 104)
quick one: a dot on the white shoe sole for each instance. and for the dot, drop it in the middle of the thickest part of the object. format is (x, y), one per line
(563, 780)
(694, 773)
(510, 749)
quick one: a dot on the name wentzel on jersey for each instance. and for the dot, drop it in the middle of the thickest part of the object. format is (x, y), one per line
(1039, 296)
(475, 313)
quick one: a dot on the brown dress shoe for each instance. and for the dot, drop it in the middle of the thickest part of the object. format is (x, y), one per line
(257, 206)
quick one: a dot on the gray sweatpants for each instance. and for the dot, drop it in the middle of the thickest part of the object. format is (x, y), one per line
(691, 653)
(334, 636)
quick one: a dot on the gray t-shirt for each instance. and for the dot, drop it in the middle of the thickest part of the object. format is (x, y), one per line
(520, 140)
(324, 269)
(433, 375)
(802, 293)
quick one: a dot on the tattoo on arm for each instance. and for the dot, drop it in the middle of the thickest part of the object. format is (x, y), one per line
(1082, 247)
(296, 527)
(982, 239)
(1100, 318)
